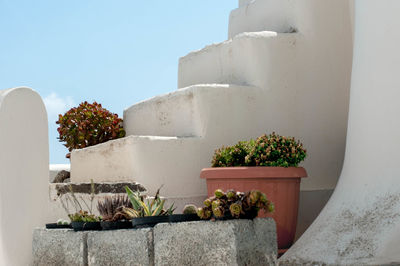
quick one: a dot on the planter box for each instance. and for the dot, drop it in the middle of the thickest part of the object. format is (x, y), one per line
(280, 184)
(233, 242)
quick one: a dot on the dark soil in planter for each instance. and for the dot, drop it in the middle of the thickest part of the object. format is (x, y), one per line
(106, 225)
(176, 218)
(86, 226)
(58, 226)
(149, 221)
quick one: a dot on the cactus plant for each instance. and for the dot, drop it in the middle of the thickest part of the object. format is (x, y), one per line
(190, 209)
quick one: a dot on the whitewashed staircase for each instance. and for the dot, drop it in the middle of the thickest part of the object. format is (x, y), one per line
(285, 68)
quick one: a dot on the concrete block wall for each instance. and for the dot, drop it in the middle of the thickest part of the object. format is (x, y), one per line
(234, 242)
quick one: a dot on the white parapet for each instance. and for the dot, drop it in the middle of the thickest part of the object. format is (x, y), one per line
(360, 225)
(24, 172)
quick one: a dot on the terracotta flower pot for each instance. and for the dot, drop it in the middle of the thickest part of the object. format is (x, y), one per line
(280, 184)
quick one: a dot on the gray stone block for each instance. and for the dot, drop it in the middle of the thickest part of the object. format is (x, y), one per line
(121, 247)
(233, 242)
(59, 247)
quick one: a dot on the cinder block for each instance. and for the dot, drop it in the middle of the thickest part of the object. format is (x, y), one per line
(121, 247)
(59, 247)
(233, 242)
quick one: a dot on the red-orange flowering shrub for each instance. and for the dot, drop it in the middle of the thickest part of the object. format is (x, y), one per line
(88, 125)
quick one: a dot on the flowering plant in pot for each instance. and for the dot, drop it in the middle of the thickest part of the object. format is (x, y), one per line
(269, 164)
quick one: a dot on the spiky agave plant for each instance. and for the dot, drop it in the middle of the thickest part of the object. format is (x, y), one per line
(142, 207)
(111, 207)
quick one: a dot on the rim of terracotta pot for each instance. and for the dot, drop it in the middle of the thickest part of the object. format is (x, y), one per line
(253, 172)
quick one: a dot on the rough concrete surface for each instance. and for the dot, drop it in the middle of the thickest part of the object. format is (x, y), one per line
(234, 242)
(59, 247)
(121, 247)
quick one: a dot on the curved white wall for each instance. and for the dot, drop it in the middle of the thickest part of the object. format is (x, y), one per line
(24, 172)
(360, 224)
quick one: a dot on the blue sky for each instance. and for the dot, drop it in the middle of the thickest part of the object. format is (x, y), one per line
(113, 52)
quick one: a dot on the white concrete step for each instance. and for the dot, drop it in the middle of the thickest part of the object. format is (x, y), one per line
(189, 112)
(244, 2)
(313, 18)
(261, 15)
(148, 160)
(222, 114)
(171, 114)
(262, 59)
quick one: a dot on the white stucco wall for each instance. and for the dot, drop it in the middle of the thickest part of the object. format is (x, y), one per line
(296, 84)
(310, 75)
(176, 162)
(360, 224)
(24, 172)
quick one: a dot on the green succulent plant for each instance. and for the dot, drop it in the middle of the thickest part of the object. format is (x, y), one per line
(82, 209)
(266, 150)
(215, 203)
(62, 222)
(231, 195)
(204, 213)
(235, 210)
(142, 207)
(219, 194)
(190, 209)
(218, 212)
(231, 155)
(235, 204)
(276, 150)
(207, 202)
(84, 216)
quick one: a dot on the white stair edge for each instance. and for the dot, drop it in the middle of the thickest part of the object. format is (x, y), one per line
(260, 15)
(236, 61)
(172, 114)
